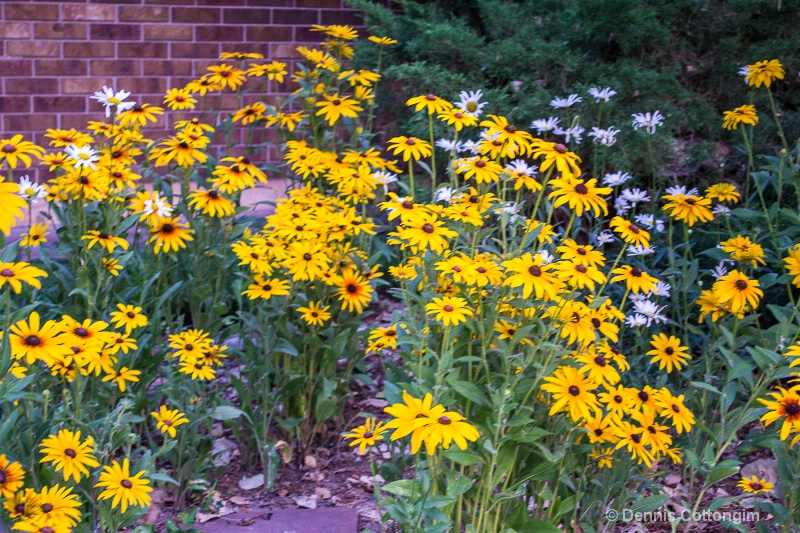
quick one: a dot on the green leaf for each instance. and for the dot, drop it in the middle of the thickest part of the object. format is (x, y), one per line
(539, 526)
(226, 412)
(470, 391)
(284, 346)
(457, 484)
(401, 487)
(466, 458)
(719, 473)
(649, 504)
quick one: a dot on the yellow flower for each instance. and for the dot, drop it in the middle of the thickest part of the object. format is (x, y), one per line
(12, 206)
(786, 407)
(315, 314)
(167, 420)
(381, 41)
(450, 310)
(763, 73)
(430, 103)
(668, 352)
(227, 75)
(336, 106)
(630, 232)
(724, 192)
(106, 240)
(12, 477)
(14, 150)
(212, 203)
(170, 235)
(66, 451)
(366, 435)
(354, 291)
(410, 147)
(445, 428)
(129, 316)
(754, 485)
(572, 392)
(738, 291)
(16, 273)
(122, 376)
(636, 279)
(179, 99)
(689, 208)
(742, 248)
(559, 155)
(122, 487)
(36, 235)
(580, 195)
(745, 114)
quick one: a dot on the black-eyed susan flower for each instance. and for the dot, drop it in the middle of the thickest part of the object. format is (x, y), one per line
(442, 427)
(381, 41)
(139, 115)
(13, 205)
(211, 203)
(129, 316)
(68, 454)
(450, 310)
(241, 56)
(738, 291)
(689, 208)
(630, 232)
(169, 419)
(23, 506)
(431, 103)
(409, 417)
(410, 147)
(197, 370)
(315, 314)
(755, 485)
(105, 240)
(558, 156)
(112, 265)
(745, 114)
(15, 150)
(616, 400)
(58, 506)
(533, 275)
(181, 149)
(179, 99)
(63, 138)
(84, 333)
(366, 435)
(35, 236)
(763, 73)
(12, 477)
(784, 407)
(266, 288)
(227, 76)
(630, 438)
(580, 195)
(572, 392)
(600, 429)
(482, 169)
(170, 235)
(597, 367)
(276, 70)
(578, 275)
(354, 291)
(250, 113)
(120, 341)
(306, 260)
(636, 280)
(335, 106)
(32, 341)
(672, 408)
(15, 274)
(742, 248)
(603, 456)
(124, 489)
(668, 352)
(122, 376)
(426, 232)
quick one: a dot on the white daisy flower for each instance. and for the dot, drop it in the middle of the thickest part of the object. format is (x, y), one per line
(110, 99)
(521, 166)
(721, 211)
(622, 206)
(636, 320)
(662, 289)
(648, 121)
(544, 125)
(470, 146)
(546, 257)
(445, 194)
(157, 205)
(569, 101)
(604, 237)
(449, 145)
(677, 190)
(30, 190)
(470, 102)
(720, 269)
(633, 251)
(637, 298)
(635, 196)
(607, 137)
(83, 156)
(603, 94)
(651, 311)
(575, 133)
(645, 220)
(615, 179)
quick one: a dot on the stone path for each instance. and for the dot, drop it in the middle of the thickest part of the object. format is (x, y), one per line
(327, 520)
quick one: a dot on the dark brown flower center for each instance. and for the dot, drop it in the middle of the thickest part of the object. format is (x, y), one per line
(636, 271)
(430, 97)
(535, 271)
(581, 268)
(83, 180)
(47, 507)
(189, 347)
(581, 189)
(598, 432)
(560, 148)
(130, 314)
(481, 270)
(581, 250)
(792, 409)
(9, 148)
(634, 228)
(456, 268)
(448, 308)
(644, 396)
(69, 452)
(47, 529)
(7, 272)
(741, 284)
(574, 390)
(669, 350)
(618, 398)
(427, 228)
(337, 102)
(458, 115)
(33, 340)
(511, 129)
(213, 195)
(600, 360)
(676, 408)
(167, 228)
(690, 201)
(267, 287)
(480, 163)
(352, 288)
(2, 476)
(636, 438)
(307, 256)
(126, 483)
(103, 236)
(81, 332)
(314, 314)
(445, 421)
(19, 508)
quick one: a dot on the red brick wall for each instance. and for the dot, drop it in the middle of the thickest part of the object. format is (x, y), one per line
(55, 54)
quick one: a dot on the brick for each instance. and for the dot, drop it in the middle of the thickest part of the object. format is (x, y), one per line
(61, 67)
(59, 104)
(170, 2)
(93, 12)
(348, 17)
(269, 33)
(144, 50)
(143, 14)
(114, 67)
(167, 67)
(143, 85)
(219, 33)
(116, 32)
(295, 16)
(248, 16)
(32, 86)
(330, 4)
(197, 15)
(84, 85)
(303, 34)
(271, 3)
(89, 49)
(33, 48)
(30, 11)
(284, 51)
(16, 67)
(72, 120)
(15, 104)
(168, 32)
(29, 122)
(59, 30)
(194, 50)
(15, 30)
